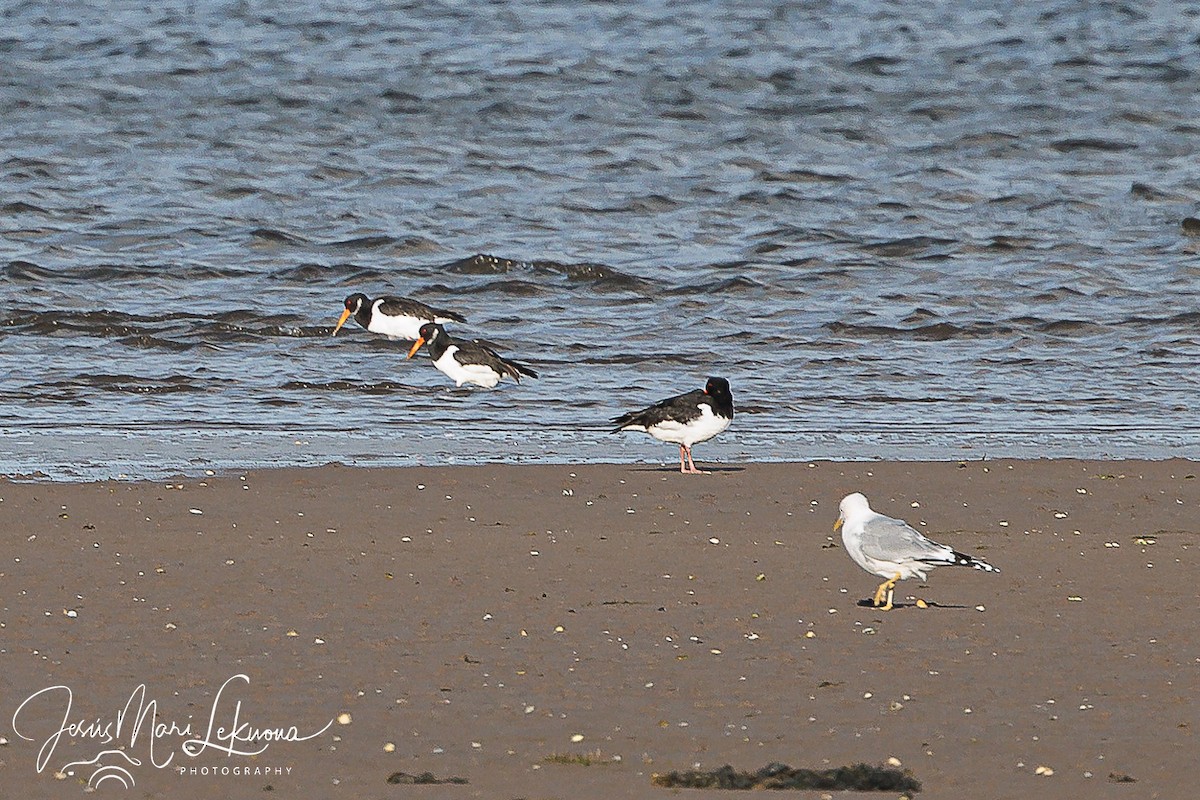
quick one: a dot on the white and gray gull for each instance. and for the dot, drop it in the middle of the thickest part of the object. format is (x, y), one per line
(891, 548)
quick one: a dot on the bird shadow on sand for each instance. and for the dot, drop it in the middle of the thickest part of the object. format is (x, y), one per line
(866, 603)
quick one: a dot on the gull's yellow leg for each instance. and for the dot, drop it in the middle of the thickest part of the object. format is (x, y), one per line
(887, 587)
(883, 587)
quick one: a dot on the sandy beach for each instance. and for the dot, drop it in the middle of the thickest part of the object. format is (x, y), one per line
(568, 632)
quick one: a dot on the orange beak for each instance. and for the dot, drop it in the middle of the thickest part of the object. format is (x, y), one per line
(341, 322)
(416, 346)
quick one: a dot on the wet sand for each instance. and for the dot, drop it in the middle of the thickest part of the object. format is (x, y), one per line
(482, 619)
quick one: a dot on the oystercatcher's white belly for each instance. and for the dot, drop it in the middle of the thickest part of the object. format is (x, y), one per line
(478, 374)
(700, 429)
(398, 327)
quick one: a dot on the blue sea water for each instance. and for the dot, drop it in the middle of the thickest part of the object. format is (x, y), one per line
(932, 231)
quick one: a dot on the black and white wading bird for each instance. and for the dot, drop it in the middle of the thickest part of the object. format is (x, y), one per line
(466, 361)
(685, 419)
(394, 317)
(891, 548)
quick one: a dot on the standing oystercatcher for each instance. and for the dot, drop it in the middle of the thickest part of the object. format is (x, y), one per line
(466, 361)
(394, 317)
(891, 548)
(686, 419)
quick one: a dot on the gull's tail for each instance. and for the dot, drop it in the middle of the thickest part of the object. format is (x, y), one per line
(953, 558)
(964, 560)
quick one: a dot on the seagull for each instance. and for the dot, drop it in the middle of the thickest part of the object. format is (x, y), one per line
(394, 317)
(891, 548)
(685, 419)
(466, 361)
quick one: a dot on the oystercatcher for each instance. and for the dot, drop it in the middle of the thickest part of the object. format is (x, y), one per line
(686, 419)
(394, 317)
(466, 361)
(892, 549)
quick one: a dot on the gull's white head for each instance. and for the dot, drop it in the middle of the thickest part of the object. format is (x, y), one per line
(852, 505)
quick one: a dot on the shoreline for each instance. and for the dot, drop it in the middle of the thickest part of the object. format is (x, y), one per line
(479, 619)
(86, 455)
(205, 471)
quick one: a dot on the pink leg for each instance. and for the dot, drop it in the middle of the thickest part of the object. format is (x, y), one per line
(691, 464)
(681, 462)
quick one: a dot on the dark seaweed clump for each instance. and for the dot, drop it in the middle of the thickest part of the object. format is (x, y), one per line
(425, 778)
(857, 777)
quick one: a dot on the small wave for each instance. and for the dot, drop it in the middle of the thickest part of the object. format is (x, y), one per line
(631, 166)
(148, 342)
(1187, 321)
(378, 387)
(875, 65)
(650, 204)
(1159, 71)
(236, 192)
(600, 275)
(100, 323)
(758, 197)
(1145, 191)
(123, 384)
(20, 207)
(365, 242)
(26, 272)
(134, 330)
(785, 110)
(334, 174)
(920, 315)
(26, 162)
(1003, 242)
(1065, 326)
(482, 264)
(908, 246)
(226, 332)
(937, 332)
(510, 286)
(736, 285)
(272, 236)
(988, 138)
(309, 273)
(803, 176)
(1091, 143)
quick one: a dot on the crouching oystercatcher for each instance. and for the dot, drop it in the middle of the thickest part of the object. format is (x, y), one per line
(394, 317)
(466, 361)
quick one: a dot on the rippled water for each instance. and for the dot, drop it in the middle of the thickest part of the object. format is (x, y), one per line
(933, 230)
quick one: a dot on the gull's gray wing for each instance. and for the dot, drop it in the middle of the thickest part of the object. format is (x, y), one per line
(888, 539)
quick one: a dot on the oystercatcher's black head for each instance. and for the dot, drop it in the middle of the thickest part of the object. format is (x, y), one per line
(354, 303)
(428, 332)
(718, 389)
